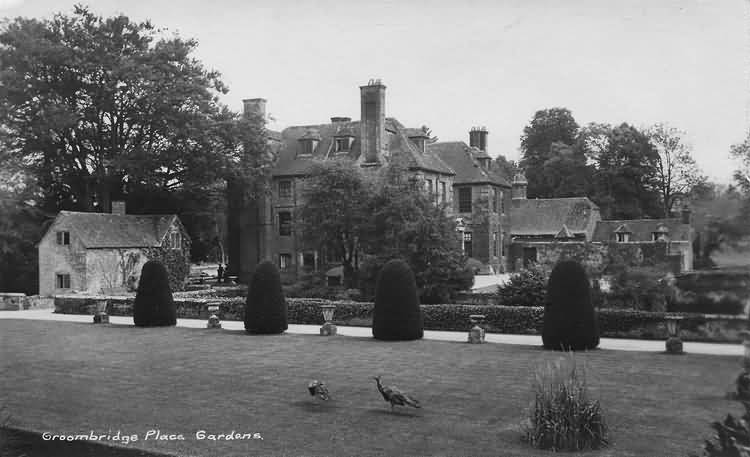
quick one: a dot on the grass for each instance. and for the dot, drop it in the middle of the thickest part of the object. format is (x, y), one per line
(72, 378)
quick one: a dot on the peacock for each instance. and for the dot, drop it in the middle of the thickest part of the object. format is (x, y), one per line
(394, 396)
(318, 388)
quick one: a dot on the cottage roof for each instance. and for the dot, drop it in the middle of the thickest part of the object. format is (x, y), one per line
(642, 229)
(564, 233)
(106, 230)
(458, 156)
(289, 163)
(546, 216)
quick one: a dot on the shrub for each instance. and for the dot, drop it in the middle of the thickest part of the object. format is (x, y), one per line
(563, 417)
(569, 318)
(732, 437)
(640, 288)
(397, 315)
(265, 308)
(525, 288)
(154, 305)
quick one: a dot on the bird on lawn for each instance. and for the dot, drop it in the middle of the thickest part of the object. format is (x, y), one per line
(394, 396)
(318, 388)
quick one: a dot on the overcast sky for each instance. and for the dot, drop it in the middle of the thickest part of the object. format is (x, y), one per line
(454, 64)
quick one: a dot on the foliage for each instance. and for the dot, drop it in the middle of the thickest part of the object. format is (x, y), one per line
(154, 305)
(525, 288)
(265, 308)
(311, 285)
(564, 417)
(569, 317)
(644, 288)
(397, 315)
(177, 262)
(547, 127)
(677, 174)
(732, 437)
(333, 214)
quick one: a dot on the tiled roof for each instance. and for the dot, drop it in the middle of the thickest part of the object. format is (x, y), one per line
(642, 229)
(548, 216)
(458, 156)
(105, 230)
(290, 163)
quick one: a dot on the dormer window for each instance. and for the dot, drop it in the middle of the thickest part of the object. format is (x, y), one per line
(309, 142)
(342, 144)
(623, 237)
(661, 234)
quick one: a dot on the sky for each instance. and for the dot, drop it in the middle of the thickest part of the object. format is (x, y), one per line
(452, 65)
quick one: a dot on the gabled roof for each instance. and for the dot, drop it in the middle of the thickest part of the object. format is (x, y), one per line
(289, 163)
(105, 230)
(643, 229)
(459, 157)
(545, 216)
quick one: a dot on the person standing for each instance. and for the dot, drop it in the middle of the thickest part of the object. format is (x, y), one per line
(220, 272)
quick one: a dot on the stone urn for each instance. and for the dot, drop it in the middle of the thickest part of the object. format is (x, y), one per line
(100, 312)
(328, 329)
(476, 333)
(213, 315)
(674, 343)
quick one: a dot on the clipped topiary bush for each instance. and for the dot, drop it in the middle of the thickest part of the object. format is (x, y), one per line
(570, 321)
(563, 416)
(397, 315)
(265, 308)
(154, 305)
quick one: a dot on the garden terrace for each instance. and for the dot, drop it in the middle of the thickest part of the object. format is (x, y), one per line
(72, 377)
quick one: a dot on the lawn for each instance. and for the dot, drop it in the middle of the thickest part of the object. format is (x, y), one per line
(71, 378)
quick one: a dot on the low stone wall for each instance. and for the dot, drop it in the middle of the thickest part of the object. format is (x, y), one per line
(18, 302)
(613, 323)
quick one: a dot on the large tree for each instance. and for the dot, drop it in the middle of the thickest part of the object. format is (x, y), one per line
(547, 127)
(97, 106)
(677, 174)
(333, 215)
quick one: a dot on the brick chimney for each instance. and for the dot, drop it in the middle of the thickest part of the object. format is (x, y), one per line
(118, 207)
(478, 138)
(518, 190)
(372, 121)
(254, 107)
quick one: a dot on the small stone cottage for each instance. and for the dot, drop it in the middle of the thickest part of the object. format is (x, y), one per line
(104, 252)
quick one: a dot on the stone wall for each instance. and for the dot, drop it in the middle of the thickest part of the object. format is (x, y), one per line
(19, 302)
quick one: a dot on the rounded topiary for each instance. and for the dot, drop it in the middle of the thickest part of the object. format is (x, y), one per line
(265, 308)
(397, 315)
(154, 305)
(569, 316)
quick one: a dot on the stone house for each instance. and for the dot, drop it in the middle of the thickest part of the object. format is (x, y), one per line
(453, 172)
(546, 230)
(104, 252)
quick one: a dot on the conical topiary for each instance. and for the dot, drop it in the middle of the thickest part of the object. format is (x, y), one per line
(265, 308)
(569, 316)
(397, 315)
(154, 305)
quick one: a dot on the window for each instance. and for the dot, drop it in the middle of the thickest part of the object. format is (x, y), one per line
(502, 202)
(623, 237)
(494, 200)
(308, 259)
(285, 189)
(502, 244)
(464, 200)
(63, 238)
(285, 223)
(443, 193)
(467, 244)
(175, 240)
(428, 185)
(285, 261)
(494, 243)
(63, 281)
(342, 144)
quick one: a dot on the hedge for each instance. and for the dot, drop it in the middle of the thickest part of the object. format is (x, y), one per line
(613, 323)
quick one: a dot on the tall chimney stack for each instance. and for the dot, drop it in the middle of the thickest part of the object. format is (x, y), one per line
(518, 189)
(372, 121)
(254, 107)
(478, 138)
